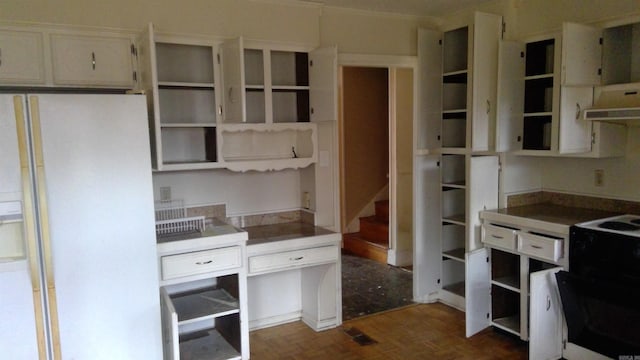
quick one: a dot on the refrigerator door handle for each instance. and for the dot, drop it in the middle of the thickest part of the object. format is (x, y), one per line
(34, 112)
(30, 226)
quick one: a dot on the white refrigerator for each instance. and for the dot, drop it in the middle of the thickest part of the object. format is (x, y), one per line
(78, 266)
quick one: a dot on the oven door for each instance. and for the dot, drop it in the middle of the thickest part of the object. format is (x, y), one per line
(601, 314)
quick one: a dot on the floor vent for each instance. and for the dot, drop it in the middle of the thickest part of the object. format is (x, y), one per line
(359, 337)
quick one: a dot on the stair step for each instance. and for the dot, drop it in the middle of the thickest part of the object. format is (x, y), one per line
(355, 244)
(382, 210)
(374, 230)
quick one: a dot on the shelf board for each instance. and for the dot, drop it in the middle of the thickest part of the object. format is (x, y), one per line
(454, 150)
(289, 88)
(509, 323)
(455, 288)
(461, 184)
(177, 84)
(541, 76)
(187, 125)
(542, 113)
(207, 345)
(200, 305)
(455, 111)
(508, 282)
(189, 165)
(455, 254)
(458, 219)
(454, 73)
(254, 87)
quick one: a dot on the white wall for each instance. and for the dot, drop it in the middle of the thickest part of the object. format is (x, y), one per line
(365, 32)
(244, 193)
(252, 19)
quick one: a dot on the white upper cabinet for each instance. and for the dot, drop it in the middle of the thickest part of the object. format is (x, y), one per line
(182, 83)
(21, 58)
(510, 101)
(234, 81)
(428, 125)
(323, 83)
(581, 55)
(575, 134)
(92, 60)
(486, 35)
(469, 62)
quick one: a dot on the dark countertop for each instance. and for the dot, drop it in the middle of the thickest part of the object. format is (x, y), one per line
(556, 214)
(545, 215)
(284, 231)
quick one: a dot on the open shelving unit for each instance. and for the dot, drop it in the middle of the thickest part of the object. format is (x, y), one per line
(204, 321)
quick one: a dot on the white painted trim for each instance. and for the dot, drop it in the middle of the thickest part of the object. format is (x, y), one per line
(274, 320)
(400, 257)
(386, 61)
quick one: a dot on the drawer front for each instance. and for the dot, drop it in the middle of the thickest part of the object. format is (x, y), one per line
(499, 236)
(200, 262)
(292, 259)
(540, 246)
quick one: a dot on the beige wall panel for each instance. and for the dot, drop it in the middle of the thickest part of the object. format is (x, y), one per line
(366, 136)
(360, 32)
(226, 18)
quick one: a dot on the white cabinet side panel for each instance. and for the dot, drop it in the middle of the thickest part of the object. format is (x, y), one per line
(482, 190)
(575, 133)
(510, 101)
(233, 79)
(581, 54)
(323, 82)
(545, 324)
(427, 228)
(428, 124)
(486, 32)
(100, 202)
(477, 291)
(10, 185)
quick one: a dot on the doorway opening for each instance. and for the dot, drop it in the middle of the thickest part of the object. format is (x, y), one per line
(376, 165)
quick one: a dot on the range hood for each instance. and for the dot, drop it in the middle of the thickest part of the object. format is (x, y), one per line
(615, 103)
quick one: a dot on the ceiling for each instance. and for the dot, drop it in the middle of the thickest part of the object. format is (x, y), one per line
(409, 7)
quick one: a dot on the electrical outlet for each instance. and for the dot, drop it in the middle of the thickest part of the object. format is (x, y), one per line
(165, 193)
(598, 177)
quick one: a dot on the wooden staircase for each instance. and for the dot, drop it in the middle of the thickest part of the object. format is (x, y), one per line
(372, 242)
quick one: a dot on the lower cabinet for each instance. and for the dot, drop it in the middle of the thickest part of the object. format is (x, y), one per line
(203, 322)
(295, 279)
(203, 298)
(524, 296)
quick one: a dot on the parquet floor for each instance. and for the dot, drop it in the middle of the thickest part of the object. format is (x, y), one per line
(424, 331)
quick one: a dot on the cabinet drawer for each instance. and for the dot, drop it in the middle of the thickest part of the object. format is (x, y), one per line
(200, 262)
(499, 236)
(541, 246)
(292, 259)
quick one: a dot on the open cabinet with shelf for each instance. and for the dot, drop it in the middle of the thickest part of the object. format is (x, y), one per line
(203, 321)
(182, 83)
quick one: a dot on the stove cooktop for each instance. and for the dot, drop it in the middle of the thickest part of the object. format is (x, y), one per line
(622, 224)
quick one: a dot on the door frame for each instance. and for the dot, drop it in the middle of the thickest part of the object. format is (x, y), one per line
(390, 62)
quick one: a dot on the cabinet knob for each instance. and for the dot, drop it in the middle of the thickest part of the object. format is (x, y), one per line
(204, 262)
(0, 56)
(488, 107)
(577, 111)
(93, 60)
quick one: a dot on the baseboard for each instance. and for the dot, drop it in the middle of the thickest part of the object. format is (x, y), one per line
(400, 257)
(274, 320)
(319, 325)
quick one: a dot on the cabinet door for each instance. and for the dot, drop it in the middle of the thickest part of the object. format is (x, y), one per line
(21, 58)
(575, 133)
(510, 102)
(477, 291)
(546, 319)
(149, 83)
(233, 81)
(428, 123)
(323, 83)
(427, 225)
(486, 33)
(92, 61)
(581, 54)
(482, 177)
